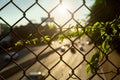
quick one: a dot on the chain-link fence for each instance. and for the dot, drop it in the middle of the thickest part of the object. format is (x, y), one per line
(54, 47)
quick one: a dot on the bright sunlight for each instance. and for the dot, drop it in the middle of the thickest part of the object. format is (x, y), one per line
(62, 9)
(60, 14)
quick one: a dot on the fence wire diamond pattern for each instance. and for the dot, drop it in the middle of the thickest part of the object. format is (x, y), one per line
(32, 51)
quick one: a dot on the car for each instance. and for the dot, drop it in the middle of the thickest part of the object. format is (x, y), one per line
(62, 48)
(88, 42)
(67, 45)
(11, 55)
(81, 48)
(72, 49)
(36, 76)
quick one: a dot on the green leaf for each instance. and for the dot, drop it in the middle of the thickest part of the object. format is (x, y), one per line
(95, 56)
(27, 42)
(19, 43)
(35, 41)
(45, 39)
(88, 69)
(30, 35)
(61, 37)
(51, 25)
(93, 62)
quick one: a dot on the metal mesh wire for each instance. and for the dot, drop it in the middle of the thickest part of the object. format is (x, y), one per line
(49, 58)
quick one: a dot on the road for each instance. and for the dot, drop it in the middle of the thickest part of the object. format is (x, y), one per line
(58, 67)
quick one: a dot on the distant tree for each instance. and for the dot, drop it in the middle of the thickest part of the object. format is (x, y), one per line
(104, 29)
(5, 28)
(104, 10)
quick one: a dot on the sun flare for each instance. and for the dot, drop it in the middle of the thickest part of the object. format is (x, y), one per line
(61, 14)
(62, 9)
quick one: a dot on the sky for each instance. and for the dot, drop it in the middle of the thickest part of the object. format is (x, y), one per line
(12, 14)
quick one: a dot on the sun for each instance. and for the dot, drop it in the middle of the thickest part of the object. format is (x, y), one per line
(62, 9)
(61, 14)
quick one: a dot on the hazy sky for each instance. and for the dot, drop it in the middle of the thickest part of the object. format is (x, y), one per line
(11, 14)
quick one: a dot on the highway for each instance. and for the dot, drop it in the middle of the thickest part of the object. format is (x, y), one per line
(58, 67)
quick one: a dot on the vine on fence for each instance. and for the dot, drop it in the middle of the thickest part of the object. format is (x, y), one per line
(101, 34)
(108, 32)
